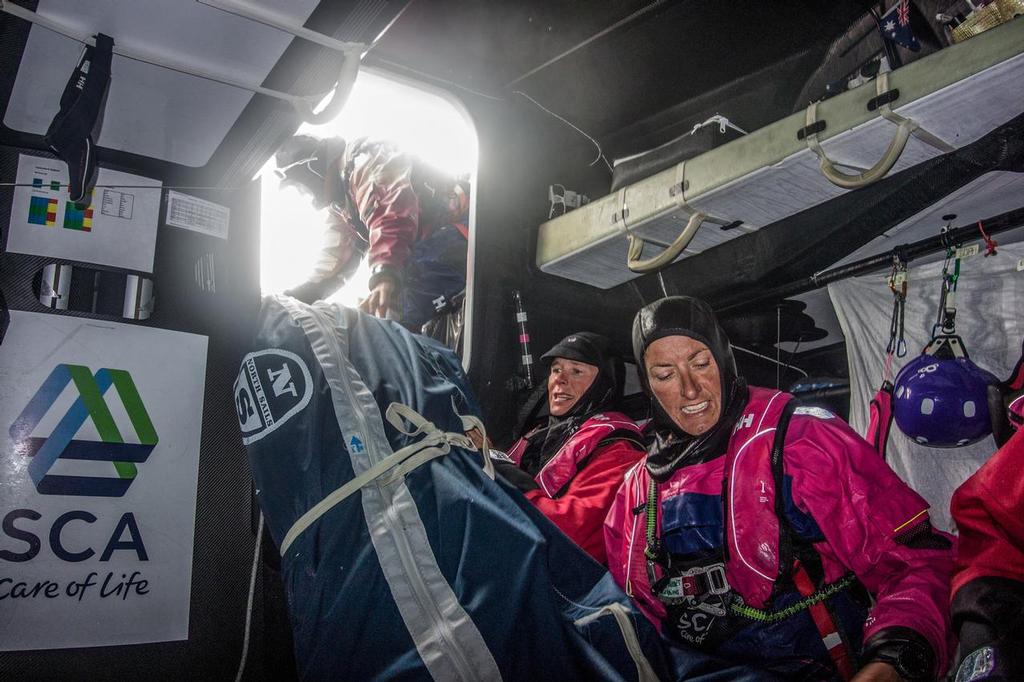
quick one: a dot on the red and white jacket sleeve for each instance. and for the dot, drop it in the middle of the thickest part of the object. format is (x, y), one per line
(381, 187)
(580, 511)
(989, 513)
(874, 525)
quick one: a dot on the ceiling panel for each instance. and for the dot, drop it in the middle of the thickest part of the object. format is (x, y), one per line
(153, 111)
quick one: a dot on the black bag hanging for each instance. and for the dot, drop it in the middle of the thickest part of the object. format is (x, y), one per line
(70, 133)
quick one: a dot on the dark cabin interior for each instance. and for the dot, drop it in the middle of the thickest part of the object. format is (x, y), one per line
(629, 76)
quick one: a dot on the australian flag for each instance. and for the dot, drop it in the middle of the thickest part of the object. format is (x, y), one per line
(895, 26)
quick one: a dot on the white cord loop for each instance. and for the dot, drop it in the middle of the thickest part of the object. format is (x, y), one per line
(434, 443)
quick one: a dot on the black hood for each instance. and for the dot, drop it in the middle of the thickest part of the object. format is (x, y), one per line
(546, 440)
(592, 349)
(693, 318)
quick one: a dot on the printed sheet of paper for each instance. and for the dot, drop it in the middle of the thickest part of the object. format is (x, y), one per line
(100, 427)
(198, 215)
(118, 228)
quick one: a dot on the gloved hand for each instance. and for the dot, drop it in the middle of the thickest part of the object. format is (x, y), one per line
(513, 475)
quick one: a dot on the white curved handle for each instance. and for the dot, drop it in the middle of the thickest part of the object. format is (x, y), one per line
(346, 79)
(876, 172)
(671, 252)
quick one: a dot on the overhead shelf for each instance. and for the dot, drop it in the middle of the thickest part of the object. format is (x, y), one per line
(930, 107)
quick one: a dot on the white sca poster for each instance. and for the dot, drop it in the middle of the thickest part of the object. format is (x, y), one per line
(118, 228)
(99, 459)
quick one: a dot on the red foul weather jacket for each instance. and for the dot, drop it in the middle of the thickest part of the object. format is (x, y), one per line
(578, 484)
(988, 583)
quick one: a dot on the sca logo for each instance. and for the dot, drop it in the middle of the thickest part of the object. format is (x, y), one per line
(272, 386)
(61, 443)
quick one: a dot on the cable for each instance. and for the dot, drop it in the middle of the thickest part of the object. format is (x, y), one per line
(768, 358)
(377, 59)
(252, 592)
(600, 154)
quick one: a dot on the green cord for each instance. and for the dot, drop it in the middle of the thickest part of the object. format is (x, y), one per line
(763, 616)
(651, 550)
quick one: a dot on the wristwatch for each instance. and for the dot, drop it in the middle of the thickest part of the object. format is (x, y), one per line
(379, 271)
(911, 661)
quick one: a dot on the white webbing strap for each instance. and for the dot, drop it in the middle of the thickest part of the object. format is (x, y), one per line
(644, 671)
(885, 110)
(434, 443)
(905, 127)
(447, 640)
(865, 178)
(621, 216)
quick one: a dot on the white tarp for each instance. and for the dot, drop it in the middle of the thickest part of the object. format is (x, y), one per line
(989, 300)
(118, 228)
(99, 458)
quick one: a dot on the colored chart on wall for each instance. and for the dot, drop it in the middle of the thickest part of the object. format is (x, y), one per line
(118, 226)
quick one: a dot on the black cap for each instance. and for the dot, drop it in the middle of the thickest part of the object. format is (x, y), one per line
(582, 346)
(593, 349)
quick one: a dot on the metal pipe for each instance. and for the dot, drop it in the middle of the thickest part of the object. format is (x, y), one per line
(261, 16)
(525, 356)
(162, 62)
(906, 252)
(304, 105)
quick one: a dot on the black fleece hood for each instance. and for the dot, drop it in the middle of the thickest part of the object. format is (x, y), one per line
(686, 316)
(546, 440)
(592, 349)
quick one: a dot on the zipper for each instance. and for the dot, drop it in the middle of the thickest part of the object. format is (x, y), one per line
(405, 554)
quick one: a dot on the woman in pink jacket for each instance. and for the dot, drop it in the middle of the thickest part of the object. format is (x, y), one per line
(769, 533)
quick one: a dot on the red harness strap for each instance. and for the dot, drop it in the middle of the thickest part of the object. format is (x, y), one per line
(826, 626)
(880, 411)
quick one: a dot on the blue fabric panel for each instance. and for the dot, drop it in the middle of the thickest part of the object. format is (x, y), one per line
(691, 523)
(788, 643)
(803, 524)
(436, 267)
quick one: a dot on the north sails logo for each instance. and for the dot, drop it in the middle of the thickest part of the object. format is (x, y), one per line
(62, 444)
(271, 387)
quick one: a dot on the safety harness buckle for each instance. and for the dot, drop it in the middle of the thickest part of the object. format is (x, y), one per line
(690, 585)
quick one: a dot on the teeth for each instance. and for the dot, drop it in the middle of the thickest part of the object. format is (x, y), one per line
(694, 409)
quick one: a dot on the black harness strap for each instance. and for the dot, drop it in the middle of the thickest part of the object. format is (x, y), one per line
(796, 555)
(786, 542)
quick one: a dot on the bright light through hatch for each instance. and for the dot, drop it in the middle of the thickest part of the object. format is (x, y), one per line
(422, 123)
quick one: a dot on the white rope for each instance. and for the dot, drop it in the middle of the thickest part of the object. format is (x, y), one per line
(434, 443)
(644, 671)
(600, 154)
(252, 592)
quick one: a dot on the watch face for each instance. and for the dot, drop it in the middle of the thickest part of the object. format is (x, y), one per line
(912, 663)
(978, 665)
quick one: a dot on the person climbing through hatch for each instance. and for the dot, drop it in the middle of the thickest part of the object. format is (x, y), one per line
(409, 220)
(571, 460)
(756, 529)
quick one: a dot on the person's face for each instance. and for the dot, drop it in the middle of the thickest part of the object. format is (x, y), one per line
(684, 378)
(567, 382)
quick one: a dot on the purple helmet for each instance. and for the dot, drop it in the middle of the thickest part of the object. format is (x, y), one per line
(941, 400)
